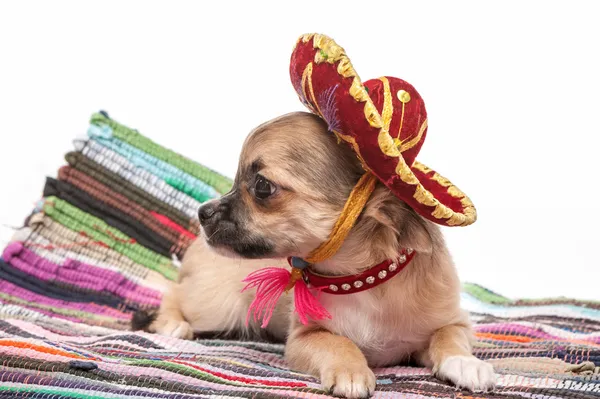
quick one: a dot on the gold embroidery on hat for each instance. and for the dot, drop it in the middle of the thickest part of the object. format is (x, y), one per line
(423, 168)
(424, 196)
(441, 212)
(387, 145)
(358, 92)
(407, 145)
(401, 124)
(469, 213)
(307, 71)
(468, 209)
(388, 109)
(346, 69)
(307, 81)
(329, 51)
(320, 57)
(317, 38)
(406, 175)
(372, 115)
(403, 96)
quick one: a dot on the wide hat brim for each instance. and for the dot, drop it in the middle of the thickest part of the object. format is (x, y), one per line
(328, 85)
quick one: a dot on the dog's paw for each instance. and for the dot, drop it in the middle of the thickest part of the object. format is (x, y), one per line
(349, 381)
(175, 329)
(468, 372)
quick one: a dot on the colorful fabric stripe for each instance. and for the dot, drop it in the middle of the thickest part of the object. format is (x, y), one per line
(137, 194)
(169, 173)
(221, 183)
(61, 245)
(42, 247)
(107, 195)
(141, 178)
(77, 274)
(76, 220)
(114, 217)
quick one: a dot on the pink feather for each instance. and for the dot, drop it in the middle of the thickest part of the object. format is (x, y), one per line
(270, 284)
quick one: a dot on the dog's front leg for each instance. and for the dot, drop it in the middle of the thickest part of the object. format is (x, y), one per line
(450, 356)
(170, 320)
(334, 359)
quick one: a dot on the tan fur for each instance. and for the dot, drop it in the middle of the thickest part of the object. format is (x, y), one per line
(208, 295)
(415, 315)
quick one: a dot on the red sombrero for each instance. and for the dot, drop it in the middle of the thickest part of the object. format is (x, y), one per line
(385, 122)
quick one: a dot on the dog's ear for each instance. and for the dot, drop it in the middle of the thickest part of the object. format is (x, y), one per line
(417, 233)
(400, 224)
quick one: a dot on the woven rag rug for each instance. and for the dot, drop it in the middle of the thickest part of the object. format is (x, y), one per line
(107, 237)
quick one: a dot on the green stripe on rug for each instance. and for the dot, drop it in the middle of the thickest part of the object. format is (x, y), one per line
(484, 294)
(79, 221)
(221, 183)
(182, 186)
(46, 391)
(103, 320)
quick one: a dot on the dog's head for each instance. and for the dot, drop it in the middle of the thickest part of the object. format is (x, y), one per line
(292, 182)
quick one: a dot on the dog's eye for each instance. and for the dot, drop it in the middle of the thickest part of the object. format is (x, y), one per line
(263, 188)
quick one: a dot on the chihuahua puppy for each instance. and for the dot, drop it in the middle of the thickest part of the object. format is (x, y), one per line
(292, 183)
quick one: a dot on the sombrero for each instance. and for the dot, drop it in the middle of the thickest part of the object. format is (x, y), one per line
(384, 121)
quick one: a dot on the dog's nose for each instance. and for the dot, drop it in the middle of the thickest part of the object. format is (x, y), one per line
(206, 212)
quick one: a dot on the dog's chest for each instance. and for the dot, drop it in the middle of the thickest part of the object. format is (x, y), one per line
(386, 332)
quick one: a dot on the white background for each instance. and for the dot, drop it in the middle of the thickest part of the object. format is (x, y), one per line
(512, 90)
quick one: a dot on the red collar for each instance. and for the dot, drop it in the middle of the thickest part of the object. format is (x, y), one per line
(372, 277)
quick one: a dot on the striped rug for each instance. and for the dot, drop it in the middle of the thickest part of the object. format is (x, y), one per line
(106, 239)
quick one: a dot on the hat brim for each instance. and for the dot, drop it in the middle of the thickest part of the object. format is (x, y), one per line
(440, 201)
(318, 68)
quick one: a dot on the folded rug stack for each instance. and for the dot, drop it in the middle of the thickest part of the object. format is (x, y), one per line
(107, 238)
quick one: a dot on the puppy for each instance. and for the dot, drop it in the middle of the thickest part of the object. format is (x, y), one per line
(292, 183)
